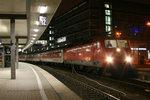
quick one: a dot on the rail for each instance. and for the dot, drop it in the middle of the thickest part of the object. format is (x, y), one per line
(87, 92)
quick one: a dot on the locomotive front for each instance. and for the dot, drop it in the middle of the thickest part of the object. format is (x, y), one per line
(118, 58)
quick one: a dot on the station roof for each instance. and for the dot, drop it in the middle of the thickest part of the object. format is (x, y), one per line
(26, 14)
(140, 1)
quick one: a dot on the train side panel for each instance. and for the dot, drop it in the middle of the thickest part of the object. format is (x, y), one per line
(98, 53)
(52, 56)
(36, 57)
(83, 55)
(22, 57)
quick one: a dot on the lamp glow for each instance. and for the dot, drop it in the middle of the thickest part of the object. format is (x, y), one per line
(109, 59)
(148, 23)
(33, 38)
(35, 30)
(37, 22)
(34, 35)
(42, 9)
(128, 59)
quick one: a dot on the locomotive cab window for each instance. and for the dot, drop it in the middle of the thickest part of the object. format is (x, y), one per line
(116, 43)
(122, 43)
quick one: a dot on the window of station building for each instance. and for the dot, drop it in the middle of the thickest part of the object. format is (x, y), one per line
(51, 44)
(107, 12)
(106, 5)
(51, 32)
(51, 38)
(108, 28)
(108, 18)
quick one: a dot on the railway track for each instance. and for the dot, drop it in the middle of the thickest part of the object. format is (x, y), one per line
(94, 87)
(86, 91)
(133, 88)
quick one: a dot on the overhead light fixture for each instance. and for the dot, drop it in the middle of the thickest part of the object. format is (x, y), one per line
(20, 50)
(35, 30)
(3, 28)
(42, 9)
(37, 22)
(33, 38)
(34, 35)
(31, 41)
(20, 46)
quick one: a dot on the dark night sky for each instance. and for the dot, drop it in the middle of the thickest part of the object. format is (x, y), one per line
(66, 5)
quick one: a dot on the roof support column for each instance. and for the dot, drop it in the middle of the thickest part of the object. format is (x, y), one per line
(13, 56)
(17, 53)
(3, 57)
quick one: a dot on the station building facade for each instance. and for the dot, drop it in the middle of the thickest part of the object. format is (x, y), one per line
(94, 18)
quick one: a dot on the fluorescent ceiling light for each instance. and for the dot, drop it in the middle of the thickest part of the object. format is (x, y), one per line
(20, 50)
(35, 30)
(42, 9)
(34, 35)
(31, 41)
(37, 22)
(33, 38)
(3, 28)
(20, 46)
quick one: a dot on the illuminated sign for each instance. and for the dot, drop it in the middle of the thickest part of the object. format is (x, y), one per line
(138, 49)
(42, 20)
(61, 39)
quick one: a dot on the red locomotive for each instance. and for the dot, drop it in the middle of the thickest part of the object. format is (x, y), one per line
(109, 55)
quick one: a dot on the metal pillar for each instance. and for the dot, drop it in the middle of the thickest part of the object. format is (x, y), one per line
(3, 57)
(13, 56)
(17, 53)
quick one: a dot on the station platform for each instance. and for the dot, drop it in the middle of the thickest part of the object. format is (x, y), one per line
(33, 83)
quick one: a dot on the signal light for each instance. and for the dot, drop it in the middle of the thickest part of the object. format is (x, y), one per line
(148, 23)
(118, 34)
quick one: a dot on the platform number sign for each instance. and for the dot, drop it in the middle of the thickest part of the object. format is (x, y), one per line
(42, 20)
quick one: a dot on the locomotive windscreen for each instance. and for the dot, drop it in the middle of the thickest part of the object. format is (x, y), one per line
(116, 43)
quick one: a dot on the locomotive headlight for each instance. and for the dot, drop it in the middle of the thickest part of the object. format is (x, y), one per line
(109, 59)
(118, 49)
(128, 59)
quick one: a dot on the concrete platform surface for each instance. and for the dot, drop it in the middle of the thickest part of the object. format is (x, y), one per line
(33, 83)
